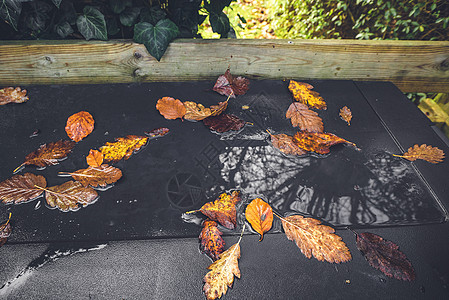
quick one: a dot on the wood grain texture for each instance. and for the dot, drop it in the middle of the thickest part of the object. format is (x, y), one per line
(412, 65)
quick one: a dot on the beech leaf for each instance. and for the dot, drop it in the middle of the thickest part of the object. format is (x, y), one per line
(21, 188)
(211, 241)
(385, 256)
(302, 93)
(304, 118)
(12, 95)
(5, 231)
(122, 148)
(428, 153)
(79, 125)
(260, 215)
(171, 108)
(222, 272)
(68, 195)
(95, 158)
(157, 132)
(196, 111)
(346, 115)
(48, 154)
(224, 122)
(285, 144)
(315, 239)
(97, 176)
(231, 86)
(318, 142)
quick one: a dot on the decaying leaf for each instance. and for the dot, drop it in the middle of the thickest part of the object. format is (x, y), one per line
(170, 108)
(12, 95)
(5, 231)
(285, 144)
(302, 93)
(49, 154)
(428, 153)
(155, 133)
(68, 195)
(219, 108)
(230, 86)
(79, 125)
(122, 148)
(223, 209)
(318, 142)
(346, 115)
(385, 256)
(196, 111)
(222, 272)
(211, 241)
(260, 215)
(97, 176)
(224, 123)
(313, 238)
(304, 118)
(95, 158)
(21, 188)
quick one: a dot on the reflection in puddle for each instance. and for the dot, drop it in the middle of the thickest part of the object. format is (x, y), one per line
(345, 188)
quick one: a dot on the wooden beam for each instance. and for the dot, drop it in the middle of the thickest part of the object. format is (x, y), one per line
(414, 66)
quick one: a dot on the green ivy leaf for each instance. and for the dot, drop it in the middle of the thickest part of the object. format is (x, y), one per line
(92, 24)
(219, 23)
(152, 15)
(10, 11)
(63, 29)
(129, 16)
(112, 26)
(156, 38)
(117, 6)
(56, 2)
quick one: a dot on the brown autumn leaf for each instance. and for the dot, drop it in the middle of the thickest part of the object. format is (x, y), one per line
(222, 272)
(313, 238)
(385, 256)
(304, 118)
(428, 153)
(5, 231)
(21, 188)
(260, 215)
(155, 133)
(171, 108)
(224, 123)
(48, 154)
(95, 158)
(122, 148)
(196, 111)
(79, 125)
(231, 86)
(97, 176)
(219, 108)
(12, 95)
(317, 142)
(68, 195)
(285, 144)
(211, 241)
(223, 209)
(302, 93)
(346, 115)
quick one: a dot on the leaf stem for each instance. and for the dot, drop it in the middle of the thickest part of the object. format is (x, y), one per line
(241, 234)
(6, 224)
(191, 211)
(16, 169)
(353, 231)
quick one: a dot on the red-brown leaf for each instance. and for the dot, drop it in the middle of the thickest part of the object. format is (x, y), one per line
(21, 188)
(5, 231)
(229, 85)
(224, 123)
(97, 176)
(346, 115)
(155, 133)
(95, 158)
(219, 108)
(12, 95)
(170, 108)
(385, 256)
(285, 144)
(211, 241)
(49, 154)
(304, 118)
(79, 125)
(68, 195)
(223, 209)
(260, 215)
(317, 142)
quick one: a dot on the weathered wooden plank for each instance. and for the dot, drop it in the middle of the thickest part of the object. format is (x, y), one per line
(419, 66)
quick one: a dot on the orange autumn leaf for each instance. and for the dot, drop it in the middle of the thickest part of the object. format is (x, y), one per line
(317, 142)
(315, 239)
(425, 152)
(171, 108)
(260, 215)
(211, 241)
(95, 158)
(219, 108)
(285, 144)
(96, 176)
(223, 209)
(196, 111)
(302, 93)
(122, 148)
(304, 118)
(12, 95)
(79, 125)
(222, 272)
(346, 115)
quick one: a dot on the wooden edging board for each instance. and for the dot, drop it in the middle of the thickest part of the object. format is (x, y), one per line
(414, 66)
